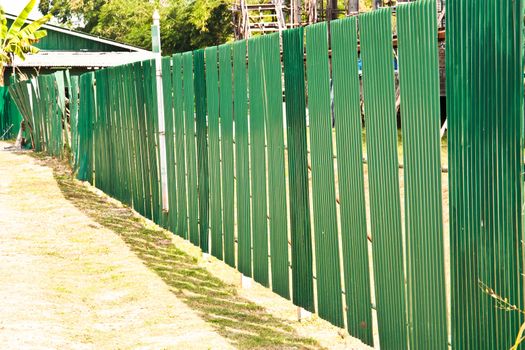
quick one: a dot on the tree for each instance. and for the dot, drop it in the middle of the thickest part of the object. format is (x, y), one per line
(18, 39)
(185, 25)
(80, 14)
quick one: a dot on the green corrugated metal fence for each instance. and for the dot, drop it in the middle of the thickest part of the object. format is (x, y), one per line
(485, 108)
(42, 104)
(265, 165)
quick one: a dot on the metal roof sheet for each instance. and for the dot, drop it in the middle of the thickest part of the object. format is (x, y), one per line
(68, 59)
(82, 35)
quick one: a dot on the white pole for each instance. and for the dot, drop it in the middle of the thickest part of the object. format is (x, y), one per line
(155, 30)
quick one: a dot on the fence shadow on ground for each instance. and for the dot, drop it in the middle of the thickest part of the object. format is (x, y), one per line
(242, 322)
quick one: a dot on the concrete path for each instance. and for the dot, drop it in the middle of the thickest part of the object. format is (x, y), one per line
(68, 283)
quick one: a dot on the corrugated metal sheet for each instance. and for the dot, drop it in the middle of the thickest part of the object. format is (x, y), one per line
(212, 86)
(191, 156)
(169, 124)
(420, 120)
(258, 161)
(273, 116)
(226, 116)
(80, 59)
(242, 159)
(202, 148)
(118, 134)
(347, 113)
(383, 175)
(329, 297)
(63, 39)
(301, 239)
(485, 110)
(85, 114)
(178, 103)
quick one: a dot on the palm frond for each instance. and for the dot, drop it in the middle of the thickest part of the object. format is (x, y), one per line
(22, 17)
(3, 26)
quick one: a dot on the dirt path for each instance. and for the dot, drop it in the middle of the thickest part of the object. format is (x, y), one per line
(68, 282)
(80, 271)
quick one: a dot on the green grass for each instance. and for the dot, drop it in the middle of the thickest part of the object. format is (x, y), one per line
(243, 323)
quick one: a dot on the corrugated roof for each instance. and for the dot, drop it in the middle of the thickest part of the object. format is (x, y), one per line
(69, 59)
(82, 35)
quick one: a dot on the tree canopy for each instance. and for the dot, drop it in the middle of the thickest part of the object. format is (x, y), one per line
(185, 25)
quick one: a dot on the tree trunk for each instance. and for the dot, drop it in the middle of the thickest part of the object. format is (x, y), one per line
(353, 6)
(297, 12)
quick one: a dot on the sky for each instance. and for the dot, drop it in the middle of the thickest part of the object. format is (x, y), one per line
(15, 6)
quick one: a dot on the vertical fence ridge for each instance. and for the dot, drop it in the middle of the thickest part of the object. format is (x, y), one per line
(242, 157)
(328, 273)
(485, 66)
(383, 174)
(212, 90)
(228, 183)
(295, 95)
(419, 84)
(347, 113)
(258, 161)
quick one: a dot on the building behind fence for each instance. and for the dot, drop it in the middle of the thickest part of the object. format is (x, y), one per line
(288, 206)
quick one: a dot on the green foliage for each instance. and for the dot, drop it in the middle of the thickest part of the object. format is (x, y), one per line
(185, 25)
(73, 12)
(18, 40)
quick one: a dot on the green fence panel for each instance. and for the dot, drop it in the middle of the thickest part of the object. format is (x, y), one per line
(347, 113)
(73, 107)
(61, 99)
(273, 115)
(117, 133)
(485, 111)
(12, 116)
(101, 150)
(169, 125)
(139, 204)
(38, 127)
(150, 102)
(419, 86)
(131, 141)
(178, 109)
(258, 161)
(301, 235)
(58, 117)
(120, 134)
(383, 176)
(226, 116)
(202, 147)
(126, 134)
(47, 113)
(145, 147)
(212, 90)
(242, 159)
(19, 95)
(323, 184)
(113, 135)
(85, 127)
(191, 160)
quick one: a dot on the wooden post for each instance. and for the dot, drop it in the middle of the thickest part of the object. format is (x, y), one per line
(296, 12)
(331, 9)
(353, 6)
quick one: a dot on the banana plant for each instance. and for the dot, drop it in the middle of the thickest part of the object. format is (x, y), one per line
(19, 38)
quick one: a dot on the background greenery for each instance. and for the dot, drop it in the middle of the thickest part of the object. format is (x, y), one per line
(185, 25)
